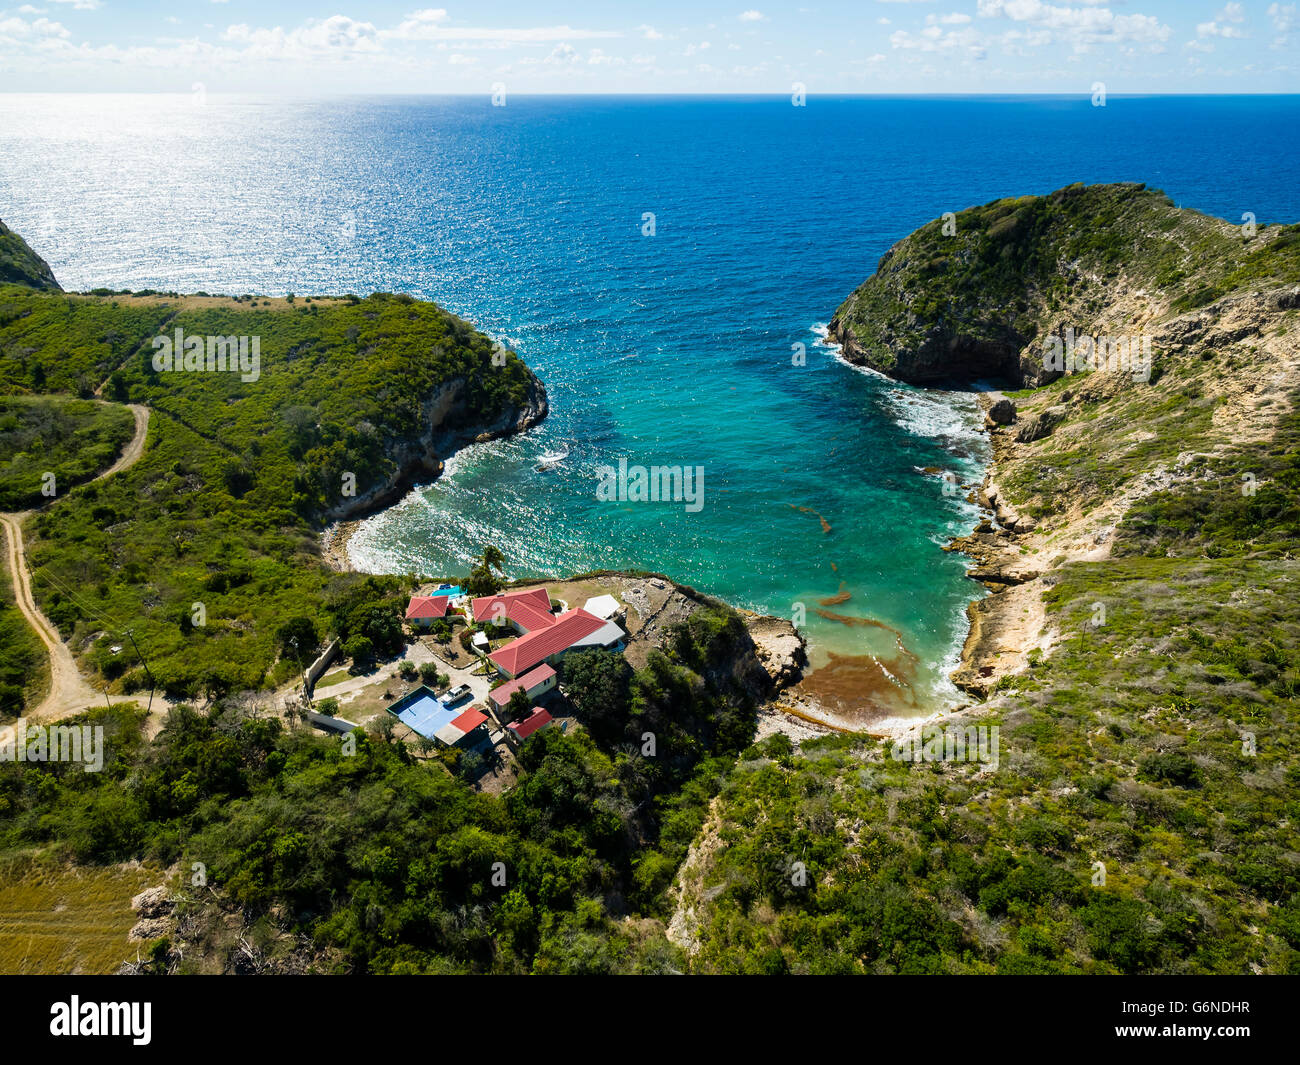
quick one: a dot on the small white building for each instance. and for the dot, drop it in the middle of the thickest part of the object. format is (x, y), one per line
(605, 607)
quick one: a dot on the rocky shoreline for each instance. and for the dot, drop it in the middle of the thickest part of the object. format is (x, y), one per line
(1004, 625)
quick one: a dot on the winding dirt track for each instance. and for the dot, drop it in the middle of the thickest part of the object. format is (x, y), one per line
(69, 693)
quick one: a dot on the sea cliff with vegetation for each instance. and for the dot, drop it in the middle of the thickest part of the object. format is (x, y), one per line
(1139, 655)
(355, 400)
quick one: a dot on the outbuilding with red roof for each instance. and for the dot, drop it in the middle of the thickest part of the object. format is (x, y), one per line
(534, 722)
(424, 610)
(533, 683)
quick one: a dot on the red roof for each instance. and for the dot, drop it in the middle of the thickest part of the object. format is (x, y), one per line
(427, 606)
(529, 610)
(469, 720)
(525, 728)
(531, 679)
(527, 651)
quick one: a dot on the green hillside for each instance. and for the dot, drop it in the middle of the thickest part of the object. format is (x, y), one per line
(19, 265)
(352, 398)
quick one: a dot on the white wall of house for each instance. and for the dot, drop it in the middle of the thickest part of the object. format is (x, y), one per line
(541, 688)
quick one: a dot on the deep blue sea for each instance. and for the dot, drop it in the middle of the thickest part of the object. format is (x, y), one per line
(674, 348)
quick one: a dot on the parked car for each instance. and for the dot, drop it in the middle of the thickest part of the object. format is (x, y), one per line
(456, 694)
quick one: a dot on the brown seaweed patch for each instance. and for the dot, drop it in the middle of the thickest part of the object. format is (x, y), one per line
(842, 596)
(903, 657)
(861, 689)
(826, 525)
(865, 623)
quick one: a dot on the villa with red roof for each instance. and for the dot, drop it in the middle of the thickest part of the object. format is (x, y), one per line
(571, 631)
(423, 610)
(522, 611)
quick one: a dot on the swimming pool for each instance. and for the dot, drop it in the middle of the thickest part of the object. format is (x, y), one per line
(422, 712)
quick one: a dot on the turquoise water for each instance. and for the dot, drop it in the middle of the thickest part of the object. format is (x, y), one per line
(671, 349)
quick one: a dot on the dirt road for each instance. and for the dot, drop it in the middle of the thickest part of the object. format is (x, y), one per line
(69, 693)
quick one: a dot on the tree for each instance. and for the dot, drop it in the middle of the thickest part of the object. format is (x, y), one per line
(380, 623)
(598, 683)
(483, 578)
(519, 706)
(117, 387)
(302, 629)
(360, 649)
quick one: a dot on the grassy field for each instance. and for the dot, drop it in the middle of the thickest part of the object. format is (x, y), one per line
(64, 919)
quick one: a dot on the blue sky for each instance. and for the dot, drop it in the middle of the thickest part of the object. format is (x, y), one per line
(840, 46)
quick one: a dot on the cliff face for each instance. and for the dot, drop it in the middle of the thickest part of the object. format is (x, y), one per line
(19, 265)
(443, 431)
(982, 292)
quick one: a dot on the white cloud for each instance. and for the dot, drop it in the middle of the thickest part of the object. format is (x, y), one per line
(1284, 20)
(1080, 27)
(1216, 29)
(563, 54)
(934, 38)
(416, 21)
(1283, 16)
(752, 16)
(41, 27)
(336, 35)
(431, 25)
(81, 5)
(650, 33)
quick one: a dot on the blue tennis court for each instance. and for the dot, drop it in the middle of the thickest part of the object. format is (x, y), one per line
(422, 712)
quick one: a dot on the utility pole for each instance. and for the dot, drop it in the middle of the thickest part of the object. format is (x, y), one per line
(147, 672)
